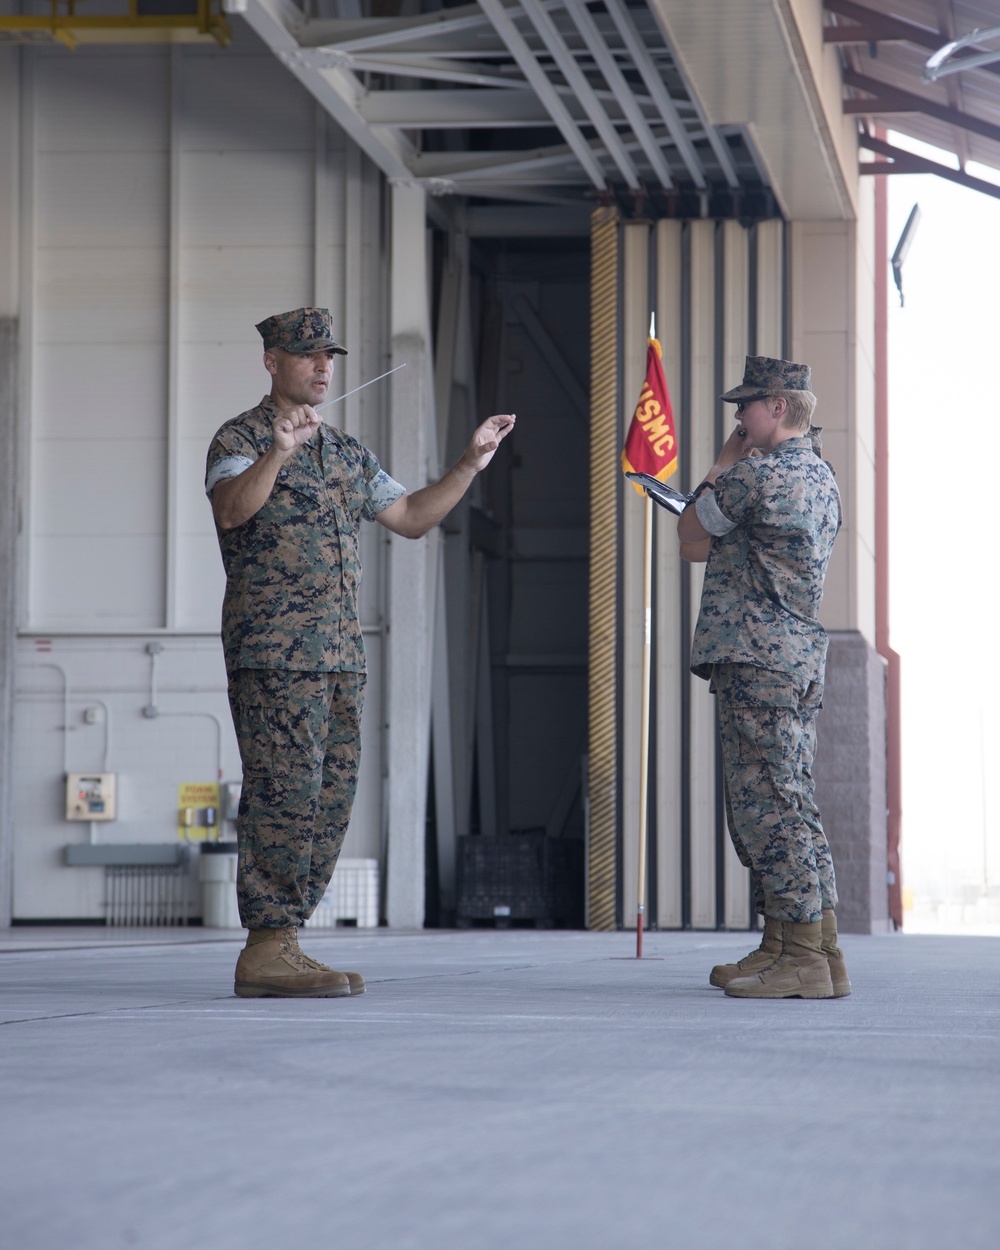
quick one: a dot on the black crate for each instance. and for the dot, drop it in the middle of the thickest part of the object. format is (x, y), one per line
(520, 877)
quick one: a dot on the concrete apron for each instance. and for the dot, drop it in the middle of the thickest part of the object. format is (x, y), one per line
(494, 1089)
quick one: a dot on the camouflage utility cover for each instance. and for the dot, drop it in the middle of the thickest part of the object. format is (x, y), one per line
(773, 519)
(293, 569)
(301, 331)
(763, 375)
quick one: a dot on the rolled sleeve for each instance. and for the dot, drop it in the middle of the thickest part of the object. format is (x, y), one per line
(383, 491)
(225, 467)
(711, 516)
(737, 495)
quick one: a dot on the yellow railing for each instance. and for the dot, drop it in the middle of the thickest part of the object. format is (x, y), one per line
(134, 24)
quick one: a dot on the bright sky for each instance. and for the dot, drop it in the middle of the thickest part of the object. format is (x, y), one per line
(944, 400)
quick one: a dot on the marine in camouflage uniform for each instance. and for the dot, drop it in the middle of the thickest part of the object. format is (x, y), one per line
(288, 493)
(766, 517)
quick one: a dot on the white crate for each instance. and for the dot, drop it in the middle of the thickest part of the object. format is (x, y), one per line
(351, 895)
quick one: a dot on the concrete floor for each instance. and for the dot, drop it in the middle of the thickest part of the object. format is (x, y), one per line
(494, 1089)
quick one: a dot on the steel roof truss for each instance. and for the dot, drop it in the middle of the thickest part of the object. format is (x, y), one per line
(337, 90)
(536, 76)
(902, 162)
(875, 27)
(375, 33)
(577, 80)
(605, 60)
(404, 65)
(454, 110)
(656, 88)
(889, 99)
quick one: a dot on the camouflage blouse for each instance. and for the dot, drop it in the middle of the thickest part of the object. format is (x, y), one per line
(293, 569)
(773, 521)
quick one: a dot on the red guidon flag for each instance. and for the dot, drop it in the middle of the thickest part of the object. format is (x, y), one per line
(651, 442)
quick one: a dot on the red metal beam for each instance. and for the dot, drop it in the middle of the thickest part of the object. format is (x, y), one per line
(889, 99)
(883, 27)
(875, 27)
(902, 162)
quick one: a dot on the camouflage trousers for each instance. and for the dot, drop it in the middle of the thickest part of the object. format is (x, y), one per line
(767, 722)
(300, 742)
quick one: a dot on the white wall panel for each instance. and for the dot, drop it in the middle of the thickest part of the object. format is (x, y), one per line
(217, 381)
(93, 100)
(240, 98)
(225, 291)
(770, 288)
(97, 488)
(247, 199)
(101, 199)
(10, 183)
(201, 581)
(104, 391)
(194, 509)
(99, 295)
(86, 583)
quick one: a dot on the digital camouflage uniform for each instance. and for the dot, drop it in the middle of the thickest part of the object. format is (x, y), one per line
(295, 656)
(773, 521)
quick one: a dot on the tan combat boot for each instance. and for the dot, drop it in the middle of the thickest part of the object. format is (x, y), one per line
(355, 979)
(756, 961)
(835, 957)
(272, 966)
(800, 971)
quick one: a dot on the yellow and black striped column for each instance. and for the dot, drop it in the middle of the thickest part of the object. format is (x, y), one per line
(605, 485)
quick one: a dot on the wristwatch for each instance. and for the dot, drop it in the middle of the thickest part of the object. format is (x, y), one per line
(700, 490)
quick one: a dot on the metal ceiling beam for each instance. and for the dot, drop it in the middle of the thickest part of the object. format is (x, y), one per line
(577, 80)
(536, 76)
(658, 91)
(902, 162)
(454, 110)
(558, 166)
(438, 69)
(883, 28)
(879, 27)
(373, 33)
(889, 99)
(338, 91)
(613, 76)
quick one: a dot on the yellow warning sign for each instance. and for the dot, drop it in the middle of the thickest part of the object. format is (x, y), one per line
(198, 810)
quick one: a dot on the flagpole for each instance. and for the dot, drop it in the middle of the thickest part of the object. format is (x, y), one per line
(647, 621)
(647, 616)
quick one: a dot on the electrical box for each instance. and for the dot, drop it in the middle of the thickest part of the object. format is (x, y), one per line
(198, 810)
(90, 796)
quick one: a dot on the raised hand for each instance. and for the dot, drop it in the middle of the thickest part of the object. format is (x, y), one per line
(487, 438)
(294, 426)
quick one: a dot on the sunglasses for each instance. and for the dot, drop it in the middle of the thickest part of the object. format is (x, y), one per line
(742, 406)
